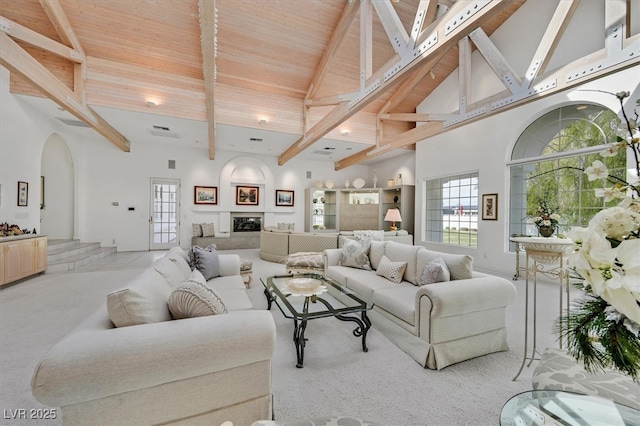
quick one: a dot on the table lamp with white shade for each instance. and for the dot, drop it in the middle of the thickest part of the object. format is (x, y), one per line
(393, 216)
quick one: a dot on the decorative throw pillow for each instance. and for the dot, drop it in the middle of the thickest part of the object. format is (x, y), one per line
(197, 229)
(371, 235)
(435, 271)
(193, 299)
(191, 257)
(207, 262)
(393, 271)
(169, 270)
(207, 230)
(354, 254)
(144, 301)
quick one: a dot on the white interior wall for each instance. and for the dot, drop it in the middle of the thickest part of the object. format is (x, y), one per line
(56, 218)
(486, 146)
(21, 142)
(104, 174)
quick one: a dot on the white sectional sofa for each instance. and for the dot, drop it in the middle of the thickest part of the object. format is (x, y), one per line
(437, 324)
(277, 244)
(200, 370)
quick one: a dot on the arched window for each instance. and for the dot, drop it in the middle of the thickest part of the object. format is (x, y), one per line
(547, 164)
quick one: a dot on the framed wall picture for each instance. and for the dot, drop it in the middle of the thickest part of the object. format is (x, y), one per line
(23, 193)
(205, 195)
(284, 197)
(489, 206)
(247, 195)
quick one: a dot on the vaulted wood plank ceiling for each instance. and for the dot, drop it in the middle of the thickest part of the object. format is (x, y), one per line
(267, 56)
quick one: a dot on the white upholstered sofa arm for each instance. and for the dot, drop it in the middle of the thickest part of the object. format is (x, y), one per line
(331, 257)
(96, 360)
(459, 297)
(229, 265)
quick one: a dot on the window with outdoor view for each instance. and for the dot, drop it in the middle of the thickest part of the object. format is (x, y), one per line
(548, 164)
(452, 210)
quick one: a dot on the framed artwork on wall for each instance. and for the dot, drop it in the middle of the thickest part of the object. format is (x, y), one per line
(489, 206)
(205, 195)
(284, 197)
(247, 195)
(23, 194)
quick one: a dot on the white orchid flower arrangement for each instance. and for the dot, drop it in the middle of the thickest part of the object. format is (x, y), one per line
(603, 328)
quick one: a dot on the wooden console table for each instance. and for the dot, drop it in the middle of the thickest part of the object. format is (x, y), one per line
(22, 256)
(542, 251)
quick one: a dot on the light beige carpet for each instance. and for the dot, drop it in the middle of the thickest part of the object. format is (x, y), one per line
(383, 385)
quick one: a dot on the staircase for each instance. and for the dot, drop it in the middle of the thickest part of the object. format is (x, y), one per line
(67, 255)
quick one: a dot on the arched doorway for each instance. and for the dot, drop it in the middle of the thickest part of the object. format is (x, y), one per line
(57, 211)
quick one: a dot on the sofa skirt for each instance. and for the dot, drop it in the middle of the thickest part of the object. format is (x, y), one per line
(188, 401)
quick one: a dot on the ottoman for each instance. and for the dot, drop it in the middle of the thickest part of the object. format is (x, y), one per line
(304, 262)
(246, 271)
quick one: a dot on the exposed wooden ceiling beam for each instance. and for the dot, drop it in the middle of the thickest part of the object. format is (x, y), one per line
(208, 43)
(434, 128)
(448, 32)
(558, 24)
(17, 60)
(35, 39)
(58, 18)
(346, 19)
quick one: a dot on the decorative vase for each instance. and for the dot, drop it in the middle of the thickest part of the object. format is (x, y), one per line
(546, 231)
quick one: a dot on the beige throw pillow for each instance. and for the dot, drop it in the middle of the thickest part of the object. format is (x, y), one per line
(193, 299)
(354, 254)
(393, 271)
(434, 272)
(207, 230)
(196, 229)
(143, 302)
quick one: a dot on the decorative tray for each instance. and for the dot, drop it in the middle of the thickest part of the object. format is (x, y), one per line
(304, 287)
(358, 183)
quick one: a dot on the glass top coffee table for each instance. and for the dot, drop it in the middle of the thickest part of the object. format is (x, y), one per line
(552, 407)
(304, 297)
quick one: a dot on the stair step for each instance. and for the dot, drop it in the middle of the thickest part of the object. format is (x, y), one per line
(67, 255)
(70, 251)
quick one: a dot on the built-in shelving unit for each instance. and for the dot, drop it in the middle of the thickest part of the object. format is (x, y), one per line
(351, 209)
(321, 210)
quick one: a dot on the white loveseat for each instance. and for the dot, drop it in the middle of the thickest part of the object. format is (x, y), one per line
(202, 370)
(437, 324)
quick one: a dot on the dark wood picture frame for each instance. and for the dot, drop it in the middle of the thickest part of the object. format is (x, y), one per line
(205, 195)
(247, 195)
(23, 194)
(489, 206)
(284, 197)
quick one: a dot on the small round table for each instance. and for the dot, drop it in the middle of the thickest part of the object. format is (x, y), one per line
(551, 407)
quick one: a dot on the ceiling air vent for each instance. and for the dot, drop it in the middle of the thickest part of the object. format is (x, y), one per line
(255, 140)
(163, 132)
(327, 150)
(72, 122)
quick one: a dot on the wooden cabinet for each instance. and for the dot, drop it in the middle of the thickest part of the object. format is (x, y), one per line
(22, 257)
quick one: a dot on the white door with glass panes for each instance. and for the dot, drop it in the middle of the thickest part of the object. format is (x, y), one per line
(164, 224)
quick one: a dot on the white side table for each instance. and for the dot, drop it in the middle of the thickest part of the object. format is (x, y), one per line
(540, 252)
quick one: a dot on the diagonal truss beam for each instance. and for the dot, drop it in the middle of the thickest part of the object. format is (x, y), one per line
(208, 45)
(442, 37)
(558, 81)
(17, 60)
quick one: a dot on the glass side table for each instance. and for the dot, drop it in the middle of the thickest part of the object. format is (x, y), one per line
(560, 408)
